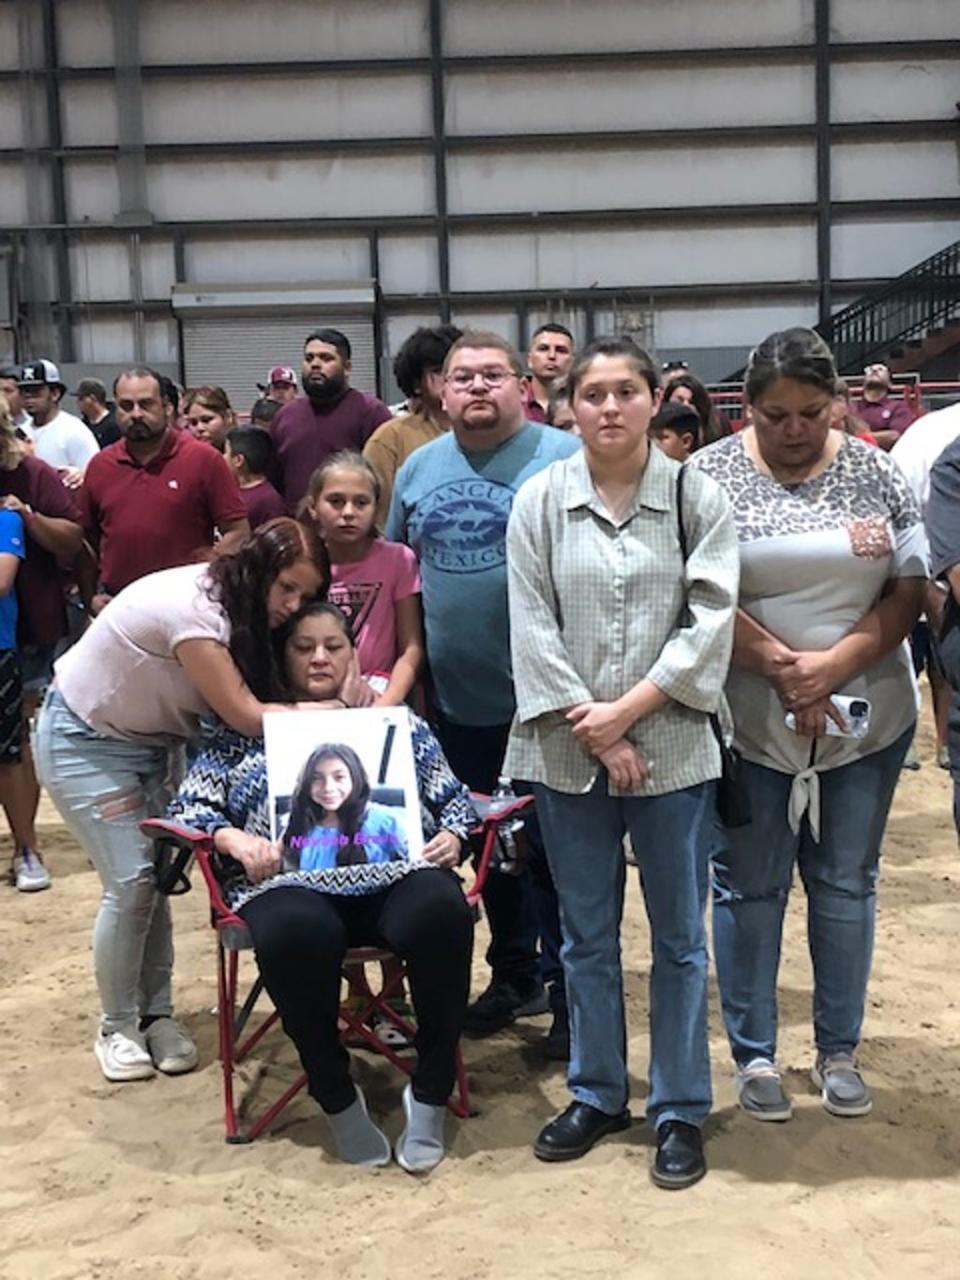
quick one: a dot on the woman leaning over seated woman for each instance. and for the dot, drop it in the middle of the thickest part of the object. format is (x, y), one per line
(304, 913)
(620, 648)
(169, 648)
(832, 567)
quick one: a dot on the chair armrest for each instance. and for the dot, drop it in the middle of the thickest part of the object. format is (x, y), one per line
(493, 811)
(174, 847)
(496, 809)
(173, 833)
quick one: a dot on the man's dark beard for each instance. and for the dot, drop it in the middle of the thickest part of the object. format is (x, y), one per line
(323, 392)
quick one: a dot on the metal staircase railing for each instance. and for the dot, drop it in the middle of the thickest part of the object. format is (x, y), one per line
(924, 298)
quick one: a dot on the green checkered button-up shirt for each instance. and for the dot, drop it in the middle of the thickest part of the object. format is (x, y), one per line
(597, 605)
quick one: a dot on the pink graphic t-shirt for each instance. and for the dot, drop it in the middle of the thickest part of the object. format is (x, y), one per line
(367, 593)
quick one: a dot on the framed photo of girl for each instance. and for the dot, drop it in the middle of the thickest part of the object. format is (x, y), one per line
(342, 787)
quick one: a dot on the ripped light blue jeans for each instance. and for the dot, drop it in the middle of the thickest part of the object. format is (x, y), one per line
(104, 788)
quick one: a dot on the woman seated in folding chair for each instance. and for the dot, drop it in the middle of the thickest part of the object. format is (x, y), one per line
(305, 910)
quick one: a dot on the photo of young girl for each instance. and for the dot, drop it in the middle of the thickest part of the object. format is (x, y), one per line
(333, 821)
(342, 793)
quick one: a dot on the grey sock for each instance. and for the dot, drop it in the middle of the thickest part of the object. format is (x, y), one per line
(420, 1147)
(357, 1138)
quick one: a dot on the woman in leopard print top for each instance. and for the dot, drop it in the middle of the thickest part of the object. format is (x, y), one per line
(832, 564)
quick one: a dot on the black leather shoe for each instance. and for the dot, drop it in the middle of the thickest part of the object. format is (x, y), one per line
(556, 1043)
(679, 1161)
(500, 1005)
(575, 1130)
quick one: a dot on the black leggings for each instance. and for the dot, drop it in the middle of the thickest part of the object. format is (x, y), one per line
(300, 938)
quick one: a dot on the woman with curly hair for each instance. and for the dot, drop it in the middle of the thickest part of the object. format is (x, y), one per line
(168, 649)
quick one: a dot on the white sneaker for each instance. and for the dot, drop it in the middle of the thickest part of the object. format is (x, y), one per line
(29, 872)
(171, 1049)
(123, 1055)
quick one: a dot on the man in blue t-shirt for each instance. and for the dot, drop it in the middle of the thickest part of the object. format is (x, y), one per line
(451, 502)
(29, 872)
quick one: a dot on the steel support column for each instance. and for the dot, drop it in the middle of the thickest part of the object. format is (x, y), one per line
(131, 158)
(440, 156)
(58, 191)
(822, 94)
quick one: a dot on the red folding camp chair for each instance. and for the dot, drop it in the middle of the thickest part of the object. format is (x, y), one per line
(177, 847)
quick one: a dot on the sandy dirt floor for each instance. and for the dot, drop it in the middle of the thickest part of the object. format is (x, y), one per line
(107, 1181)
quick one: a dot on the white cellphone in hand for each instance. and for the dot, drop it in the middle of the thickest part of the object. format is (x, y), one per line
(855, 711)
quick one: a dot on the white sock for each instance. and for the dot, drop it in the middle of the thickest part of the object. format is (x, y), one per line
(420, 1147)
(357, 1138)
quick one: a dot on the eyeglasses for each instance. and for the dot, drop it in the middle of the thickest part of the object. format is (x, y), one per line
(461, 379)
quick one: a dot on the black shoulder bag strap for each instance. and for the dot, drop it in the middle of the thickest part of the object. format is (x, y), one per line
(684, 551)
(733, 804)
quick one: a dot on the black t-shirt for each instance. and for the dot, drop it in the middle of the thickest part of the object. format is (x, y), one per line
(106, 430)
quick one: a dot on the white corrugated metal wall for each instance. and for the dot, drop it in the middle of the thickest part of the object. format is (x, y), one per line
(617, 158)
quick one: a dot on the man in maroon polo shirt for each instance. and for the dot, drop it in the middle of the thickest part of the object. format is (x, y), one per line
(51, 522)
(331, 415)
(154, 499)
(887, 418)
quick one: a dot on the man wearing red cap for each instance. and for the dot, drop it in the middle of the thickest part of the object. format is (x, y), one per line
(281, 384)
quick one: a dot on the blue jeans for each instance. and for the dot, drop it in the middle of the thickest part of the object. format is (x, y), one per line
(103, 789)
(673, 837)
(751, 882)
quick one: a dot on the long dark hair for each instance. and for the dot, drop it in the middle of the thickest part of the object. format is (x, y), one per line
(240, 583)
(306, 814)
(711, 427)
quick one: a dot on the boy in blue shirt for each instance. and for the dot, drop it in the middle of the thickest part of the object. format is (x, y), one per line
(29, 872)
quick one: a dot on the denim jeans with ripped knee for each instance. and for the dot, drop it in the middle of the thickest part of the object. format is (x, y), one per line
(103, 789)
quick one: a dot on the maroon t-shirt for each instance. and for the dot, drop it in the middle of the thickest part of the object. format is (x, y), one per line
(43, 619)
(158, 516)
(305, 434)
(884, 415)
(263, 503)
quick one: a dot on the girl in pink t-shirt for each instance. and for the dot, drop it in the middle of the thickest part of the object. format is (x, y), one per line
(376, 583)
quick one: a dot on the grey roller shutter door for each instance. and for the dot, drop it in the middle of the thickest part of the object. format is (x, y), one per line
(235, 352)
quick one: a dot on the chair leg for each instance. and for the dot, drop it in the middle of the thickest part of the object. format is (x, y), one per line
(226, 1004)
(378, 1002)
(459, 1102)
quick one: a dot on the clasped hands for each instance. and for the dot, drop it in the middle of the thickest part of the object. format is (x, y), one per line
(804, 682)
(601, 729)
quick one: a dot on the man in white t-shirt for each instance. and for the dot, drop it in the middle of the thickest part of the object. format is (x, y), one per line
(60, 439)
(915, 453)
(922, 444)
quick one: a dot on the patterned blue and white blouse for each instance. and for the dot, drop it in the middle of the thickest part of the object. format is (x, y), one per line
(226, 786)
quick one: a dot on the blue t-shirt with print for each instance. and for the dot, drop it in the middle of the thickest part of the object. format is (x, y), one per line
(11, 542)
(380, 833)
(451, 506)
